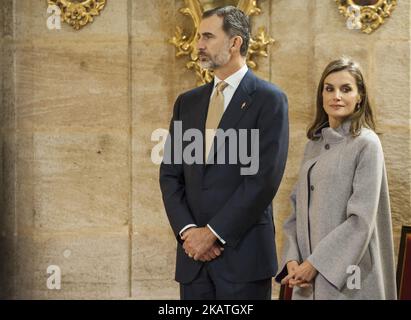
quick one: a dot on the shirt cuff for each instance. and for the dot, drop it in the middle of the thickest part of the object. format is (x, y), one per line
(186, 227)
(216, 234)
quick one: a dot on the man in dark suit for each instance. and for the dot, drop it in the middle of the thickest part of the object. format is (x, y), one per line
(221, 216)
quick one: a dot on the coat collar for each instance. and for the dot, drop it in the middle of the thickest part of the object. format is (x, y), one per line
(336, 135)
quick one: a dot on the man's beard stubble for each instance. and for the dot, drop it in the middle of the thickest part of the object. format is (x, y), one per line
(219, 60)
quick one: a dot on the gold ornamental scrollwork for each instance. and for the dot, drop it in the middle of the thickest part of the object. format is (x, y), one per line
(78, 13)
(186, 43)
(367, 15)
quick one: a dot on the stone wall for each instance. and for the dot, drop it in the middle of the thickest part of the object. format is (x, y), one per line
(7, 150)
(78, 188)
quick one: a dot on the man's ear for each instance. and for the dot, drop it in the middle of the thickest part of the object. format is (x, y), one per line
(237, 43)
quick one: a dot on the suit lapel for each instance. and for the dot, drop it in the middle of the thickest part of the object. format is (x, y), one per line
(238, 105)
(200, 113)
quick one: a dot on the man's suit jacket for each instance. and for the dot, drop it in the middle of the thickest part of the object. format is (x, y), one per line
(237, 207)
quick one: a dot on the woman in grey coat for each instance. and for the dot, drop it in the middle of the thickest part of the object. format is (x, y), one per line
(338, 238)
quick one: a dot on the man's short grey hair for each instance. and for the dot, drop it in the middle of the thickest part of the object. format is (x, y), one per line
(235, 23)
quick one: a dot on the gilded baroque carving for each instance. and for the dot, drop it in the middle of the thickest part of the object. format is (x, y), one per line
(78, 13)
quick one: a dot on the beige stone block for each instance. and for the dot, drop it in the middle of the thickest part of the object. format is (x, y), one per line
(391, 83)
(157, 70)
(148, 208)
(2, 18)
(31, 22)
(290, 57)
(153, 69)
(74, 180)
(396, 152)
(296, 82)
(72, 86)
(326, 19)
(154, 252)
(24, 185)
(164, 289)
(7, 115)
(328, 49)
(93, 265)
(24, 196)
(183, 80)
(290, 19)
(151, 112)
(152, 20)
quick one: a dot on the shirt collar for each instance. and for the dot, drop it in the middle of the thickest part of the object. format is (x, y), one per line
(235, 79)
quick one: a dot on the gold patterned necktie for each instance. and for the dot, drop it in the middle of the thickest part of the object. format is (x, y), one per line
(215, 112)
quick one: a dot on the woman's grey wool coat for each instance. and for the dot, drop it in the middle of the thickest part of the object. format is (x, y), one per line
(341, 218)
